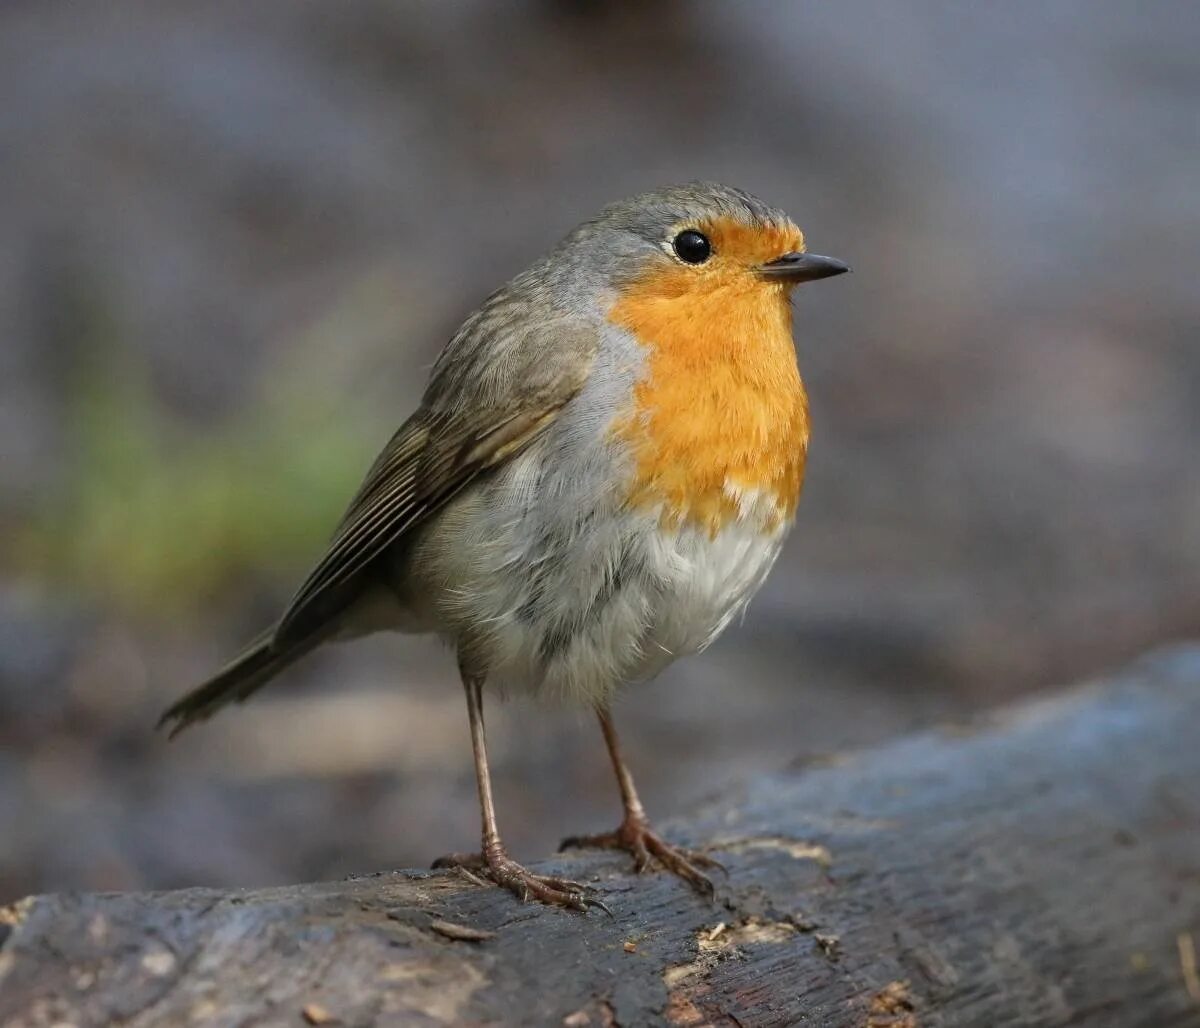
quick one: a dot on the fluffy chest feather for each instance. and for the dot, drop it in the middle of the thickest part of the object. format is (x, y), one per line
(719, 427)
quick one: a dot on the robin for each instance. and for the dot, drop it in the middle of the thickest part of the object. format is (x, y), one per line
(604, 466)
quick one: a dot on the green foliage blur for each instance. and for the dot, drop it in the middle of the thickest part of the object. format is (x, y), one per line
(158, 518)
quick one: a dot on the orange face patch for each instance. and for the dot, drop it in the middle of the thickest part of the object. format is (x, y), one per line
(721, 411)
(739, 247)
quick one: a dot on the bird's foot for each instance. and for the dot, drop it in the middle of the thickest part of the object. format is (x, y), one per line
(502, 870)
(647, 846)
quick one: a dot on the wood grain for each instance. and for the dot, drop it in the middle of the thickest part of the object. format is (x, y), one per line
(1040, 869)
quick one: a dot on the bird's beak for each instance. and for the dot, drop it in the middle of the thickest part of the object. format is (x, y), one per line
(802, 267)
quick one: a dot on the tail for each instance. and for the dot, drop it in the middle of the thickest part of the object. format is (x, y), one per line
(245, 674)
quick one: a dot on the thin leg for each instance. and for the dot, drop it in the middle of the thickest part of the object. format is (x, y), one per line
(629, 797)
(493, 861)
(483, 773)
(635, 834)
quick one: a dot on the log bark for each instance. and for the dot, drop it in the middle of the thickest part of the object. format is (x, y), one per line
(1042, 868)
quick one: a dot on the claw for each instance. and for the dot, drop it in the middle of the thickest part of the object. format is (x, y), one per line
(502, 870)
(636, 837)
(589, 902)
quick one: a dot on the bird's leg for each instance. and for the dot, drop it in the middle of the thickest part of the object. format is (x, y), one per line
(635, 834)
(493, 862)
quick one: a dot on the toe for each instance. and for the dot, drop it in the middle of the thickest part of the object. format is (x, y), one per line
(682, 863)
(648, 848)
(705, 861)
(696, 878)
(546, 888)
(700, 881)
(641, 856)
(562, 884)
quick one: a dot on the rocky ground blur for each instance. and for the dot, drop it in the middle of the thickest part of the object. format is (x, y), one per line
(236, 235)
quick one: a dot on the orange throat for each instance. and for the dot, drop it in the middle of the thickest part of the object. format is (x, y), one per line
(719, 426)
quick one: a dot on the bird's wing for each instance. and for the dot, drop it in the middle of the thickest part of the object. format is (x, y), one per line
(462, 429)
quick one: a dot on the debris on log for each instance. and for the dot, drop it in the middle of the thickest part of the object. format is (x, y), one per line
(1040, 868)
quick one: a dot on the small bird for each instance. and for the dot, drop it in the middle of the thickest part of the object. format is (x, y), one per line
(602, 470)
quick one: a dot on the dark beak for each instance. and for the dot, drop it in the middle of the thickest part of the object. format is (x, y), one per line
(802, 267)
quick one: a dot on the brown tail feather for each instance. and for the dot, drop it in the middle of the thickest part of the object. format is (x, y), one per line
(248, 672)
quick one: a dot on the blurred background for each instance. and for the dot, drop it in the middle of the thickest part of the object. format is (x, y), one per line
(235, 237)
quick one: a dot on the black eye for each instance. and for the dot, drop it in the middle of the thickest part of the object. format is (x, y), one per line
(692, 247)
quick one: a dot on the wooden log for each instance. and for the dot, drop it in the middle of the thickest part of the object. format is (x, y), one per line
(1040, 869)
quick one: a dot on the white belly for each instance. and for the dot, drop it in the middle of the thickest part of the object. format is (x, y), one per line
(570, 606)
(708, 582)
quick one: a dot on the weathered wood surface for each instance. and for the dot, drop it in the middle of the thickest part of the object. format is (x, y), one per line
(1041, 869)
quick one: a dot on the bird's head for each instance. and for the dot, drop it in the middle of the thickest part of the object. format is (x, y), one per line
(698, 239)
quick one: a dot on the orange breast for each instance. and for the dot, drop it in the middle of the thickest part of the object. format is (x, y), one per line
(721, 409)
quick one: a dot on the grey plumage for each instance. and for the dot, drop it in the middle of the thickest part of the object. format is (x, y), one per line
(495, 516)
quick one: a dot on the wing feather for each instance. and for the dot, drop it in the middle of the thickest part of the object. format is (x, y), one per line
(427, 462)
(499, 383)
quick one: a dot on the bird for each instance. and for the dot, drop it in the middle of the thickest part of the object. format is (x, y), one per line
(602, 470)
